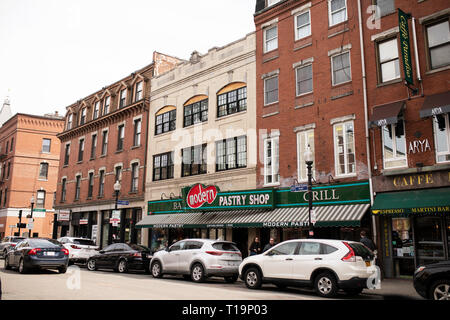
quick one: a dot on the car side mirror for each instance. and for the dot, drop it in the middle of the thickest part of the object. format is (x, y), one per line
(102, 251)
(167, 249)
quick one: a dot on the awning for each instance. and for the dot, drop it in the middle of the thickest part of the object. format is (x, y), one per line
(435, 104)
(386, 114)
(403, 203)
(326, 216)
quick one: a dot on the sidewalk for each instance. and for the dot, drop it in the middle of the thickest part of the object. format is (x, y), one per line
(396, 289)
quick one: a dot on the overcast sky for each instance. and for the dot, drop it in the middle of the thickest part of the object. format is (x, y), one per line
(55, 52)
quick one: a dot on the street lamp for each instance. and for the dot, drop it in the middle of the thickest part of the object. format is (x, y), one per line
(31, 215)
(309, 162)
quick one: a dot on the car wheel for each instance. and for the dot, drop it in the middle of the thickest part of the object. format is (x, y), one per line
(252, 278)
(353, 292)
(440, 290)
(231, 279)
(157, 269)
(197, 273)
(7, 265)
(123, 266)
(91, 265)
(22, 268)
(62, 269)
(325, 285)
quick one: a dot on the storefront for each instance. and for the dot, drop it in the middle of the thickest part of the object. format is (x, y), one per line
(414, 220)
(340, 211)
(120, 227)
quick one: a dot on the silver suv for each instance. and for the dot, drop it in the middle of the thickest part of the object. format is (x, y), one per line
(198, 259)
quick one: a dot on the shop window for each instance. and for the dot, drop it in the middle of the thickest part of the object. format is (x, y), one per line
(165, 120)
(196, 112)
(163, 167)
(344, 148)
(194, 160)
(337, 11)
(270, 38)
(304, 139)
(159, 239)
(394, 145)
(340, 68)
(388, 60)
(271, 161)
(438, 44)
(302, 25)
(441, 125)
(428, 236)
(402, 246)
(231, 153)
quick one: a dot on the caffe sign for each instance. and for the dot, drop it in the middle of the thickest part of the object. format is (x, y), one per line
(423, 180)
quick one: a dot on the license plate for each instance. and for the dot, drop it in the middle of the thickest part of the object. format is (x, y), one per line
(368, 263)
(50, 253)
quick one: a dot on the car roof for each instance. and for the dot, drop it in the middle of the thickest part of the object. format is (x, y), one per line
(205, 240)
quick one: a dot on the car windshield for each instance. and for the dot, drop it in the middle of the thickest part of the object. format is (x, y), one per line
(85, 242)
(225, 246)
(43, 243)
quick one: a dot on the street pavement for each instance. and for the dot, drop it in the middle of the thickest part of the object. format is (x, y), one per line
(80, 284)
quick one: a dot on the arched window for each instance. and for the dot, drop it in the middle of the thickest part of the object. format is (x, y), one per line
(165, 120)
(232, 99)
(195, 110)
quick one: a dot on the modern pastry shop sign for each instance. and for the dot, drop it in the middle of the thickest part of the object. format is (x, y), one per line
(202, 197)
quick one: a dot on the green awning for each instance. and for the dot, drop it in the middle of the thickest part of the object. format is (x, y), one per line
(427, 201)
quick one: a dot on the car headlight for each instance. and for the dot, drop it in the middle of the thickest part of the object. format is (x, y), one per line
(419, 269)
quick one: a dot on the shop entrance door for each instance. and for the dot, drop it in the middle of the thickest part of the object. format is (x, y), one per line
(240, 237)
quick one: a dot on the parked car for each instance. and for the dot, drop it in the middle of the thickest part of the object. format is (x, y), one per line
(80, 249)
(324, 265)
(433, 281)
(8, 242)
(121, 257)
(198, 259)
(37, 253)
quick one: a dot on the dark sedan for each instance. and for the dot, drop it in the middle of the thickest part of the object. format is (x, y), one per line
(433, 281)
(37, 253)
(121, 257)
(7, 243)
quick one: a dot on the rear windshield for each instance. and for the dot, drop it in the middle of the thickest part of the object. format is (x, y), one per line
(43, 243)
(361, 250)
(84, 242)
(225, 246)
(138, 247)
(16, 239)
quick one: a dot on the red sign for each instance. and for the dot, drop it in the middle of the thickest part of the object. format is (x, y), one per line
(198, 196)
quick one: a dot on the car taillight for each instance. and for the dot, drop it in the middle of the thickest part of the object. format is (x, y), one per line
(66, 252)
(12, 244)
(350, 256)
(214, 253)
(75, 247)
(137, 254)
(34, 251)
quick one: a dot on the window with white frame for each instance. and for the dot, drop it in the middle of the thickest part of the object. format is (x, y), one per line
(134, 177)
(69, 121)
(123, 98)
(384, 7)
(441, 125)
(394, 145)
(438, 43)
(46, 143)
(83, 116)
(96, 110)
(106, 104)
(344, 148)
(137, 132)
(270, 38)
(104, 142)
(272, 2)
(304, 79)
(271, 90)
(271, 161)
(40, 199)
(340, 68)
(302, 25)
(337, 11)
(388, 60)
(138, 91)
(304, 139)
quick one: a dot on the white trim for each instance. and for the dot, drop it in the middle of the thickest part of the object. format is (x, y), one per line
(303, 62)
(270, 74)
(394, 148)
(447, 126)
(336, 157)
(340, 50)
(330, 14)
(343, 119)
(385, 34)
(296, 36)
(435, 15)
(275, 160)
(269, 23)
(278, 89)
(301, 9)
(265, 39)
(307, 129)
(139, 117)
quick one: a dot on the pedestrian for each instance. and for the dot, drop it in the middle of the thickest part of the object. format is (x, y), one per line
(269, 245)
(366, 241)
(255, 247)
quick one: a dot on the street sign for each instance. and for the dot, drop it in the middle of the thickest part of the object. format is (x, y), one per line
(115, 214)
(299, 187)
(123, 202)
(84, 221)
(114, 221)
(313, 216)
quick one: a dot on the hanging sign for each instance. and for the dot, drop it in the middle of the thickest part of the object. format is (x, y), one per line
(404, 46)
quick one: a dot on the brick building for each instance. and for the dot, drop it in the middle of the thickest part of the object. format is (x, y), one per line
(104, 141)
(29, 162)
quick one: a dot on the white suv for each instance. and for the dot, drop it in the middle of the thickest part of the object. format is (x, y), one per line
(325, 265)
(198, 259)
(80, 249)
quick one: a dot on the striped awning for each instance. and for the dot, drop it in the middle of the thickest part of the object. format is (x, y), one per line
(326, 216)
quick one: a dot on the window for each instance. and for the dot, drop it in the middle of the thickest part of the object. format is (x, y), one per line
(388, 62)
(63, 190)
(232, 102)
(118, 173)
(304, 139)
(394, 145)
(196, 112)
(77, 187)
(271, 161)
(9, 170)
(7, 147)
(40, 199)
(384, 7)
(270, 90)
(344, 148)
(120, 137)
(43, 170)
(46, 145)
(66, 154)
(284, 249)
(69, 121)
(134, 177)
(93, 146)
(96, 110)
(163, 166)
(231, 153)
(272, 2)
(80, 150)
(304, 78)
(340, 65)
(137, 132)
(106, 104)
(302, 25)
(91, 184)
(442, 137)
(310, 248)
(101, 185)
(193, 160)
(165, 122)
(337, 11)
(123, 98)
(6, 196)
(138, 92)
(12, 143)
(83, 116)
(270, 38)
(438, 40)
(104, 142)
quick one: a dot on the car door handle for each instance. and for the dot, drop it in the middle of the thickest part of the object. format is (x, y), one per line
(317, 258)
(289, 259)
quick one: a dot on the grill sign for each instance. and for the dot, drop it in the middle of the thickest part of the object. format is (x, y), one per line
(198, 196)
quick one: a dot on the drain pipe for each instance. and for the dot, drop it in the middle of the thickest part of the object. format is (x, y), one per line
(366, 115)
